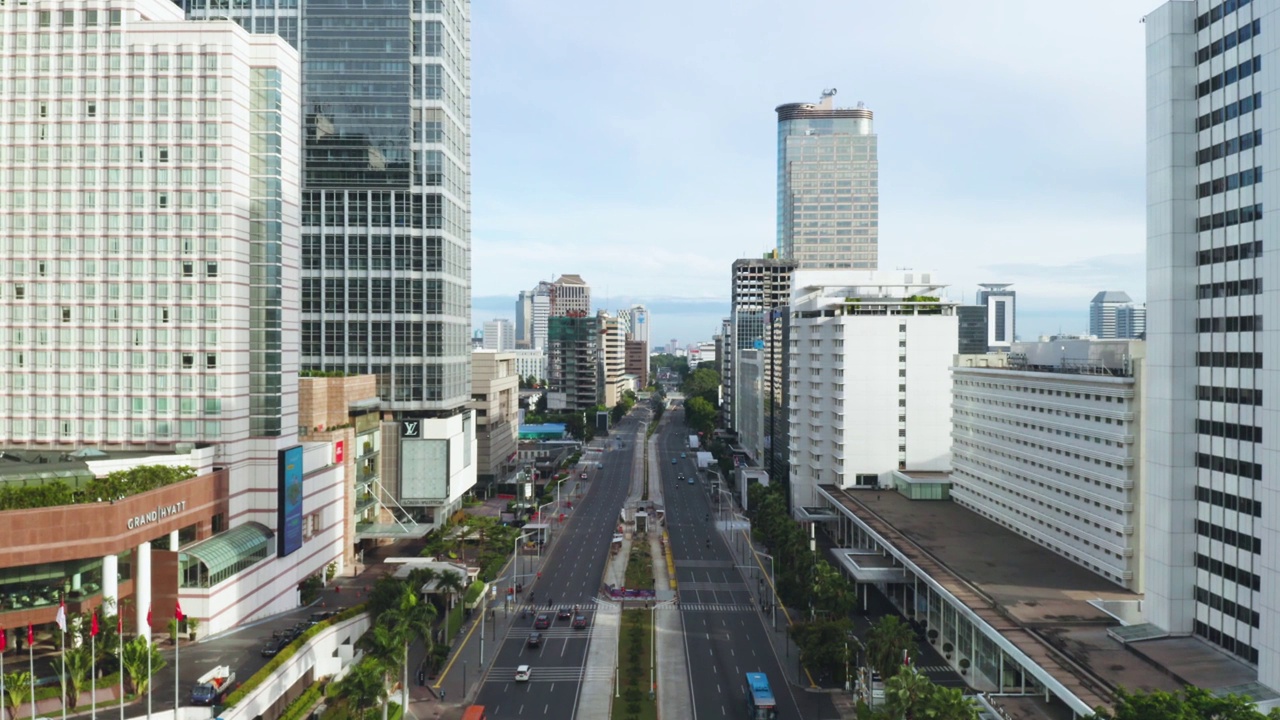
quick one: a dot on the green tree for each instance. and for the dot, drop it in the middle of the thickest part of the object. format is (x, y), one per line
(823, 645)
(79, 664)
(910, 695)
(135, 663)
(105, 645)
(364, 686)
(833, 593)
(1191, 703)
(452, 585)
(700, 415)
(408, 623)
(17, 688)
(886, 642)
(704, 383)
(385, 647)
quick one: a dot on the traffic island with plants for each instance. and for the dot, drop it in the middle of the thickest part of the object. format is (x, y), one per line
(635, 671)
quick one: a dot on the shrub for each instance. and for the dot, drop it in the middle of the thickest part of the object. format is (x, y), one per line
(287, 652)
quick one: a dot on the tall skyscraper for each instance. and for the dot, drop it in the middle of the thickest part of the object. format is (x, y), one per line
(1210, 534)
(759, 295)
(386, 216)
(1113, 315)
(828, 186)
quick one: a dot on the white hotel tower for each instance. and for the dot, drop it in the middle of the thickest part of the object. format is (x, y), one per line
(149, 246)
(1212, 510)
(869, 358)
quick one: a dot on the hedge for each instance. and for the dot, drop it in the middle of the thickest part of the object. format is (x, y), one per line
(113, 486)
(287, 652)
(304, 702)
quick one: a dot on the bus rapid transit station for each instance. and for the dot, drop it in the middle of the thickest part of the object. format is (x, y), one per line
(1034, 633)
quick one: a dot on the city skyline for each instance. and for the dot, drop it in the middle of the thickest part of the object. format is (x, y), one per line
(1012, 181)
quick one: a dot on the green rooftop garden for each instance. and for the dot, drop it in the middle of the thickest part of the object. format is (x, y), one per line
(114, 486)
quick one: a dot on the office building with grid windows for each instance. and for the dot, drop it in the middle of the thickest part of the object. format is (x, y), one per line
(386, 228)
(828, 185)
(1211, 534)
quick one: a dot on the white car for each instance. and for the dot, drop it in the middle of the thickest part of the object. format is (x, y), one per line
(522, 673)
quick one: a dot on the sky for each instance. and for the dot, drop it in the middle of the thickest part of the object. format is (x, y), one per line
(634, 144)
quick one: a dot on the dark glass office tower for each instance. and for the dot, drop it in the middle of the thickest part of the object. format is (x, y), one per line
(386, 243)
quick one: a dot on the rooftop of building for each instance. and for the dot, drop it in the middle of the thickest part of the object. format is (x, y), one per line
(1045, 604)
(20, 463)
(1112, 296)
(570, 280)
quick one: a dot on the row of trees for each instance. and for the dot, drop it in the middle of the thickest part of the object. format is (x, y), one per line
(401, 618)
(803, 579)
(113, 486)
(105, 655)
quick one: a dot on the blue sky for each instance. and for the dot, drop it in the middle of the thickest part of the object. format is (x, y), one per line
(634, 144)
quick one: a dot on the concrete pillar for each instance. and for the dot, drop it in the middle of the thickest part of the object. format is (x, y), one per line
(173, 541)
(110, 583)
(76, 582)
(142, 588)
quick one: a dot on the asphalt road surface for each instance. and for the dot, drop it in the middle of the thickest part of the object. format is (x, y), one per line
(570, 577)
(725, 635)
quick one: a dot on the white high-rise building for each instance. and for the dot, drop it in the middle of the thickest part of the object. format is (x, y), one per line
(500, 335)
(148, 227)
(638, 325)
(1047, 443)
(149, 290)
(869, 359)
(1210, 507)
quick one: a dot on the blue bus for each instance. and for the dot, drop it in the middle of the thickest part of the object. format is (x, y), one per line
(760, 702)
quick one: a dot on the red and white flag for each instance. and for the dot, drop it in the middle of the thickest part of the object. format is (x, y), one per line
(93, 624)
(148, 616)
(177, 611)
(61, 617)
(4, 639)
(906, 659)
(31, 635)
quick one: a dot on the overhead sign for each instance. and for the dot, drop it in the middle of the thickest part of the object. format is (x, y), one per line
(410, 428)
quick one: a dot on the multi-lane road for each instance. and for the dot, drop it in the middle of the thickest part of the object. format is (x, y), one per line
(724, 631)
(570, 577)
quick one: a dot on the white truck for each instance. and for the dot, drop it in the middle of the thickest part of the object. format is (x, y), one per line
(212, 687)
(693, 442)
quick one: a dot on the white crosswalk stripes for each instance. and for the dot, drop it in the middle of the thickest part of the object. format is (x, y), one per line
(710, 607)
(538, 673)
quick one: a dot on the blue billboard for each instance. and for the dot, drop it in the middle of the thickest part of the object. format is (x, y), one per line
(289, 502)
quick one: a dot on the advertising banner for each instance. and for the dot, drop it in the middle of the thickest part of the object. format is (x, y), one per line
(289, 502)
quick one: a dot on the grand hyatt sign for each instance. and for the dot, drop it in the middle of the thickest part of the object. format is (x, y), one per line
(158, 514)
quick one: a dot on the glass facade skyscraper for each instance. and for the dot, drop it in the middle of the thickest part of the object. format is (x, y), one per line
(828, 185)
(386, 189)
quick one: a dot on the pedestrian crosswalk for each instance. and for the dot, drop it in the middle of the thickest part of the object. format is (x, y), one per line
(538, 673)
(712, 607)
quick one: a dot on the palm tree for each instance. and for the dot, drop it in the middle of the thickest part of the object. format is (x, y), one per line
(907, 693)
(364, 686)
(17, 687)
(409, 623)
(78, 662)
(451, 584)
(382, 645)
(134, 663)
(887, 642)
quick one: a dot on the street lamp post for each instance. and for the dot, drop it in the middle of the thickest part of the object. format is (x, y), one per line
(515, 558)
(773, 606)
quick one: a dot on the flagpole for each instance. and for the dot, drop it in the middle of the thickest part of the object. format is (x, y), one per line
(115, 604)
(4, 643)
(31, 657)
(93, 668)
(149, 683)
(177, 698)
(64, 670)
